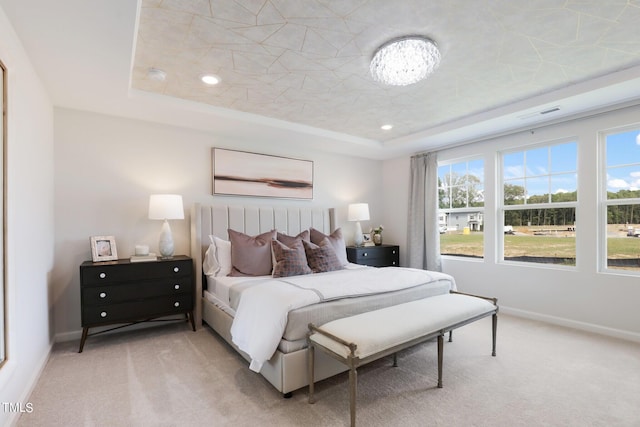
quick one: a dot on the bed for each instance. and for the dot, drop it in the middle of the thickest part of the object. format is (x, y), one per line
(218, 302)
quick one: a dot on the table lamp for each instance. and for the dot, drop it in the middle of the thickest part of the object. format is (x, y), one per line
(165, 207)
(358, 212)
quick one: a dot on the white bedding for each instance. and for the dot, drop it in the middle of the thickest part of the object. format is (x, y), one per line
(261, 316)
(219, 286)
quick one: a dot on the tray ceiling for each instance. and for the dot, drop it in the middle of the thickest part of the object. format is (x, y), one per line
(307, 62)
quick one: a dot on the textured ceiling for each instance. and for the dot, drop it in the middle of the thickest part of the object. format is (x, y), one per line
(307, 61)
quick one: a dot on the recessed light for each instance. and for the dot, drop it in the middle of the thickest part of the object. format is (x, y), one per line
(210, 79)
(157, 74)
(386, 127)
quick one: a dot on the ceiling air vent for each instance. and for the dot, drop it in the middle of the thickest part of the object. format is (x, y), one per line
(550, 110)
(539, 113)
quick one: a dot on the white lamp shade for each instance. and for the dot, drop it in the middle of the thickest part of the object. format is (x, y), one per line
(166, 206)
(358, 212)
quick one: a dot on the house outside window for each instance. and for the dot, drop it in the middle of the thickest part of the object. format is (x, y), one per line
(461, 208)
(539, 201)
(620, 201)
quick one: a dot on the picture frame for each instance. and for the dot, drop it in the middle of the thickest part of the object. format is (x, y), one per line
(103, 248)
(366, 237)
(241, 173)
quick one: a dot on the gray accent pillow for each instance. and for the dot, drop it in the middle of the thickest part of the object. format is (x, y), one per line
(289, 260)
(322, 257)
(336, 240)
(251, 255)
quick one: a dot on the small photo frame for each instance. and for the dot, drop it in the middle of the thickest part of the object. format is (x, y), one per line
(103, 248)
(366, 237)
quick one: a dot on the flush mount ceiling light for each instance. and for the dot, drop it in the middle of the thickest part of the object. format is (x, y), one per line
(210, 79)
(405, 61)
(386, 127)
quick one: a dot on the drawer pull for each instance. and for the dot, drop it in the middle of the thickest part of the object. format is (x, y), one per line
(103, 275)
(103, 314)
(176, 304)
(394, 263)
(393, 252)
(103, 294)
(176, 269)
(176, 286)
(364, 254)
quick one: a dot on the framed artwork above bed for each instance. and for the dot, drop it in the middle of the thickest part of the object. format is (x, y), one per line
(240, 173)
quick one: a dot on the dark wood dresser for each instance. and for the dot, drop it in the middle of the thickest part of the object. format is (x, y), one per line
(113, 292)
(375, 256)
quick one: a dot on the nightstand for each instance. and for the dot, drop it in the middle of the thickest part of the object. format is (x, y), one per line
(375, 256)
(114, 292)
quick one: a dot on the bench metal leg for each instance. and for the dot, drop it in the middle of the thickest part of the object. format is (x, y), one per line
(440, 357)
(395, 360)
(494, 331)
(451, 335)
(353, 384)
(311, 368)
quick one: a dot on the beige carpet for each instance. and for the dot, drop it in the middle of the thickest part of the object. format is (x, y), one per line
(170, 376)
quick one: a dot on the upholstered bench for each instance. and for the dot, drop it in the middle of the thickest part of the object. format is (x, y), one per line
(365, 337)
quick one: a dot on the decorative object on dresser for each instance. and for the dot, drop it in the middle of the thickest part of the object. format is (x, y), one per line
(144, 258)
(121, 292)
(376, 235)
(375, 256)
(358, 212)
(103, 248)
(142, 254)
(165, 207)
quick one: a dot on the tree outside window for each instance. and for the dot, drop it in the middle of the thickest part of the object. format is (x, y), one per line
(461, 203)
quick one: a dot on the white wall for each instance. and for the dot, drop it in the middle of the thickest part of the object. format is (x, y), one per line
(580, 297)
(106, 168)
(30, 232)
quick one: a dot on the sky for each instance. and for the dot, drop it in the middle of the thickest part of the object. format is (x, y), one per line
(623, 161)
(553, 169)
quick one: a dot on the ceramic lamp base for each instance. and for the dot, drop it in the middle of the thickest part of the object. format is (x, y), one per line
(358, 239)
(165, 244)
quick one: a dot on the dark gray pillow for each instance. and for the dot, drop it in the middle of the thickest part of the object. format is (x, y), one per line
(336, 240)
(289, 260)
(322, 257)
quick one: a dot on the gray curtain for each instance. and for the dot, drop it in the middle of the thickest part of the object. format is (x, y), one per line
(423, 241)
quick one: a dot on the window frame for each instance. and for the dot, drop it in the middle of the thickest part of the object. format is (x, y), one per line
(465, 210)
(604, 202)
(501, 207)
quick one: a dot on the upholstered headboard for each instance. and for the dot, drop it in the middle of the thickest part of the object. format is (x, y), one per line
(215, 220)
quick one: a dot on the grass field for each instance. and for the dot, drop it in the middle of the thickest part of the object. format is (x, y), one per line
(531, 245)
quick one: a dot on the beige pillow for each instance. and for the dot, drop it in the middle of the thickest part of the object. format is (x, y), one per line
(336, 240)
(251, 255)
(289, 260)
(321, 258)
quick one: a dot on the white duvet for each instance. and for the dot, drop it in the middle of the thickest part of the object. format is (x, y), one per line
(262, 313)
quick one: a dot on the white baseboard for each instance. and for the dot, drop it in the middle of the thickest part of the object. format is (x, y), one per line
(31, 385)
(583, 326)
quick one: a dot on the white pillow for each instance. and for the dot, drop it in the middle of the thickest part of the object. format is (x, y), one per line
(217, 259)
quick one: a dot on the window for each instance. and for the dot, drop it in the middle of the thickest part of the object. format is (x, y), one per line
(622, 202)
(461, 203)
(539, 200)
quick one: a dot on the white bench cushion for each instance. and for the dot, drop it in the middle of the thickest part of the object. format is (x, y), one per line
(378, 330)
